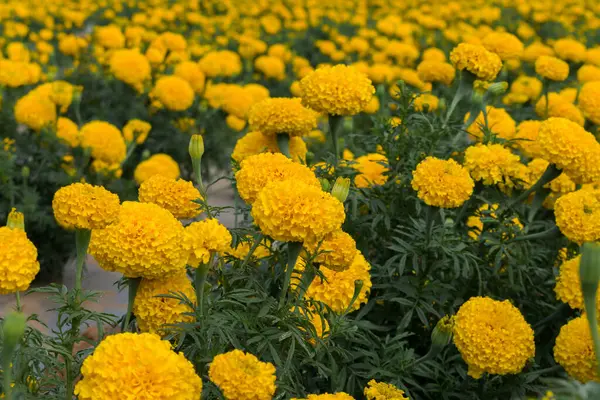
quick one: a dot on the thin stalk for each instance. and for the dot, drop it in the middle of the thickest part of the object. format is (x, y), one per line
(197, 166)
(546, 86)
(465, 86)
(549, 175)
(548, 233)
(283, 141)
(69, 378)
(335, 122)
(429, 219)
(590, 308)
(294, 249)
(200, 281)
(255, 245)
(134, 283)
(18, 300)
(82, 241)
(556, 314)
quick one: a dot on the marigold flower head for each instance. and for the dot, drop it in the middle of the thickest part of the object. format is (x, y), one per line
(18, 261)
(571, 148)
(158, 164)
(505, 44)
(426, 102)
(568, 285)
(318, 322)
(372, 170)
(578, 215)
(140, 366)
(559, 107)
(191, 72)
(84, 206)
(153, 312)
(476, 225)
(589, 101)
(552, 68)
(383, 391)
(336, 251)
(328, 396)
(588, 73)
(173, 93)
(223, 63)
(60, 93)
(491, 164)
(36, 112)
(259, 170)
(336, 288)
(104, 140)
(174, 195)
(380, 73)
(146, 242)
(282, 115)
(373, 106)
(536, 50)
(526, 138)
(110, 36)
(442, 183)
(574, 350)
(137, 130)
(204, 237)
(131, 67)
(492, 336)
(271, 67)
(570, 50)
(242, 376)
(291, 211)
(528, 86)
(499, 122)
(255, 143)
(436, 71)
(338, 90)
(68, 131)
(482, 63)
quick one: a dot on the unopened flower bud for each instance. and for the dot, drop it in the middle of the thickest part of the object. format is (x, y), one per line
(16, 220)
(341, 189)
(325, 185)
(498, 88)
(25, 172)
(13, 329)
(589, 269)
(146, 154)
(442, 333)
(196, 147)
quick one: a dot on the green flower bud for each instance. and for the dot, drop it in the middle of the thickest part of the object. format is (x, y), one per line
(589, 269)
(498, 88)
(325, 185)
(341, 189)
(13, 329)
(25, 172)
(196, 147)
(442, 333)
(16, 220)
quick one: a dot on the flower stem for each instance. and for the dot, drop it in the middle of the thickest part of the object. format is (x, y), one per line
(334, 125)
(294, 249)
(465, 85)
(590, 308)
(549, 175)
(200, 280)
(18, 300)
(134, 283)
(82, 241)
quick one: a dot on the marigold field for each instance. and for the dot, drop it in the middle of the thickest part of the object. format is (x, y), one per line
(415, 199)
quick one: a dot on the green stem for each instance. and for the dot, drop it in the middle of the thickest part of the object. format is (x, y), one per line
(197, 166)
(7, 375)
(257, 240)
(18, 300)
(307, 278)
(429, 219)
(294, 249)
(334, 124)
(590, 308)
(547, 234)
(200, 280)
(134, 283)
(465, 86)
(69, 378)
(82, 241)
(283, 141)
(546, 86)
(549, 175)
(560, 310)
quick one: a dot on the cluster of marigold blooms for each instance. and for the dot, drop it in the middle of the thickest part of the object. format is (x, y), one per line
(173, 71)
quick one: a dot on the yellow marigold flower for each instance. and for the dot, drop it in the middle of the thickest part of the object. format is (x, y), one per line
(255, 143)
(570, 50)
(282, 115)
(426, 102)
(137, 130)
(241, 250)
(383, 391)
(235, 100)
(505, 44)
(574, 350)
(258, 92)
(291, 211)
(571, 148)
(526, 138)
(37, 112)
(589, 101)
(373, 106)
(104, 140)
(536, 50)
(436, 71)
(492, 163)
(551, 68)
(131, 67)
(259, 170)
(499, 122)
(221, 63)
(433, 54)
(337, 288)
(578, 215)
(380, 73)
(59, 92)
(442, 183)
(372, 170)
(336, 251)
(328, 396)
(270, 67)
(492, 336)
(18, 260)
(191, 72)
(202, 238)
(411, 78)
(158, 164)
(84, 206)
(242, 376)
(173, 93)
(235, 123)
(568, 285)
(338, 90)
(146, 242)
(569, 94)
(563, 184)
(477, 60)
(588, 73)
(68, 131)
(475, 223)
(404, 53)
(528, 86)
(559, 107)
(143, 359)
(153, 312)
(110, 36)
(107, 169)
(176, 196)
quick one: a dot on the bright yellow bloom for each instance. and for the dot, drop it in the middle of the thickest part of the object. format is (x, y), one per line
(18, 261)
(137, 366)
(574, 350)
(526, 138)
(173, 93)
(589, 101)
(137, 130)
(146, 242)
(372, 170)
(282, 115)
(241, 376)
(153, 312)
(131, 67)
(426, 102)
(255, 143)
(176, 196)
(482, 63)
(191, 72)
(559, 107)
(328, 396)
(203, 238)
(568, 285)
(37, 112)
(221, 63)
(291, 211)
(259, 170)
(110, 36)
(336, 251)
(588, 73)
(383, 391)
(492, 336)
(578, 215)
(570, 50)
(104, 140)
(499, 122)
(436, 71)
(491, 164)
(158, 164)
(83, 206)
(60, 93)
(505, 44)
(442, 183)
(552, 68)
(270, 67)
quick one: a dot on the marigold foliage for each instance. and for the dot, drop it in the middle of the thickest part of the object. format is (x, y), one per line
(177, 196)
(84, 206)
(18, 261)
(442, 183)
